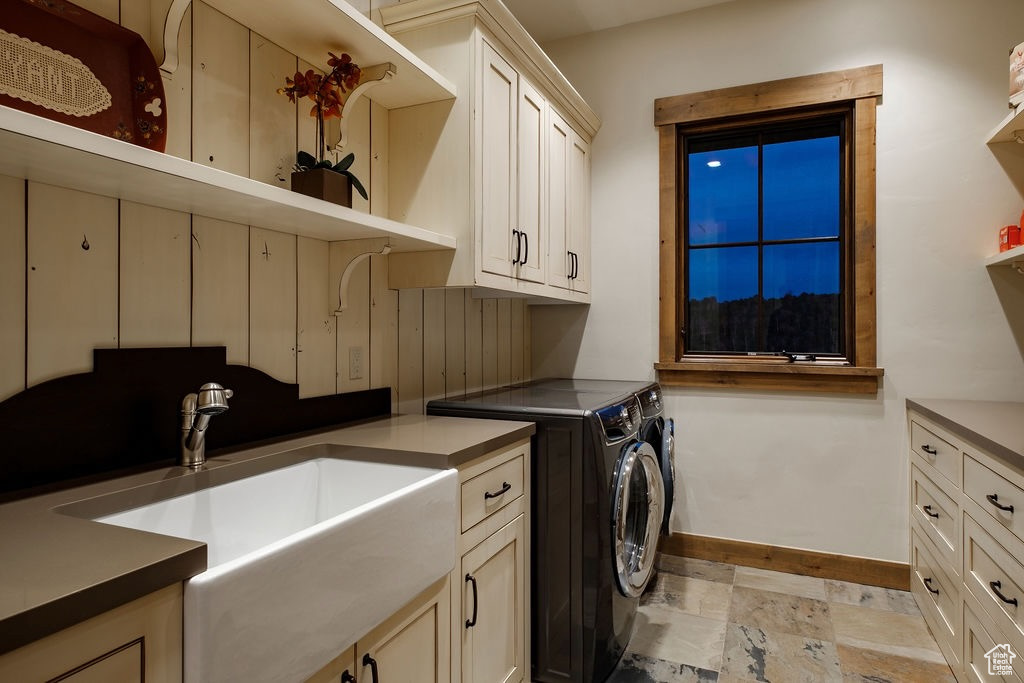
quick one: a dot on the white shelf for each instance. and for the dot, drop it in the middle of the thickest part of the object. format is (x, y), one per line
(38, 149)
(1004, 131)
(311, 28)
(1006, 258)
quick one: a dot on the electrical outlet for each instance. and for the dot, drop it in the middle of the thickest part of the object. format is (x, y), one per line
(355, 362)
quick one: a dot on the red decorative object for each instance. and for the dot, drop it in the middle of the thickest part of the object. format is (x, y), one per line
(65, 63)
(1009, 237)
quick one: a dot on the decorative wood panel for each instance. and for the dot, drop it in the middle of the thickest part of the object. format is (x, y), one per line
(454, 342)
(272, 303)
(220, 286)
(378, 153)
(474, 343)
(272, 135)
(383, 329)
(220, 91)
(504, 339)
(354, 321)
(517, 334)
(316, 329)
(72, 280)
(410, 351)
(527, 343)
(489, 352)
(12, 286)
(155, 280)
(359, 143)
(434, 331)
(108, 9)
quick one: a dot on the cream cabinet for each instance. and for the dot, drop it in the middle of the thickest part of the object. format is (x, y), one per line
(139, 641)
(412, 646)
(483, 169)
(490, 616)
(967, 545)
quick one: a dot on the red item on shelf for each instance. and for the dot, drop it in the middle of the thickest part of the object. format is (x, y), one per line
(1009, 237)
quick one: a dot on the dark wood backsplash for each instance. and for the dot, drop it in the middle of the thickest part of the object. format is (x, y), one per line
(126, 415)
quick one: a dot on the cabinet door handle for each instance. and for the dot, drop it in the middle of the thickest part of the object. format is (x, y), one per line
(572, 265)
(994, 499)
(470, 623)
(928, 585)
(505, 487)
(929, 450)
(526, 249)
(346, 677)
(928, 511)
(372, 663)
(995, 586)
(519, 246)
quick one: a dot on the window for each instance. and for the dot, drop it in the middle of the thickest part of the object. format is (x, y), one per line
(767, 225)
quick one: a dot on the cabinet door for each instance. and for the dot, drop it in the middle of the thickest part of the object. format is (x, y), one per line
(413, 646)
(497, 154)
(528, 246)
(579, 212)
(559, 260)
(494, 607)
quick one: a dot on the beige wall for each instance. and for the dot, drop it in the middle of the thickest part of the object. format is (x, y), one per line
(153, 277)
(813, 471)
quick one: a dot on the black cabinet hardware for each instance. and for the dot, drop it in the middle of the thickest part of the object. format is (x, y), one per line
(929, 450)
(372, 663)
(994, 499)
(928, 585)
(995, 586)
(505, 487)
(519, 245)
(928, 511)
(526, 248)
(346, 677)
(470, 623)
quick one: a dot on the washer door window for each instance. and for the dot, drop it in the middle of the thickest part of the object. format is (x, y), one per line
(660, 433)
(638, 513)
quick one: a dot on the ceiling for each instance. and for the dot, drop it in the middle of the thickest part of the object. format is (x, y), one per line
(548, 20)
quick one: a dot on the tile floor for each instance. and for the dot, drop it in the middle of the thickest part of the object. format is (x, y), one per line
(704, 621)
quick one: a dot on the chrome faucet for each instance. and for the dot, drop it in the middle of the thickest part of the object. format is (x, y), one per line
(196, 411)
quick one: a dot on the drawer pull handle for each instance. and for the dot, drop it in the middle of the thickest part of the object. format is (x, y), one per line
(928, 585)
(995, 586)
(369, 661)
(346, 677)
(994, 499)
(928, 511)
(505, 488)
(470, 623)
(929, 450)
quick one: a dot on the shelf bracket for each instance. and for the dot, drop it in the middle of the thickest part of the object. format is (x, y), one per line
(381, 248)
(172, 25)
(372, 76)
(1018, 266)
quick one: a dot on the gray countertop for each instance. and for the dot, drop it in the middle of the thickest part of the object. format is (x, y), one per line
(57, 570)
(996, 426)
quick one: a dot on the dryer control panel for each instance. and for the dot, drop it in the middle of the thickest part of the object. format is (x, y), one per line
(650, 401)
(621, 420)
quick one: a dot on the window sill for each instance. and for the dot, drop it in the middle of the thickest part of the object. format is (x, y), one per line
(770, 375)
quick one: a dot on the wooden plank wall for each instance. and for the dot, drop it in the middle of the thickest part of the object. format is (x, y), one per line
(80, 271)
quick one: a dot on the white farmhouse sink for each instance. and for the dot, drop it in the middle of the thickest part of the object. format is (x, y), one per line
(303, 560)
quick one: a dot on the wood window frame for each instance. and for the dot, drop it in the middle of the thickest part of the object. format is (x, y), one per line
(862, 89)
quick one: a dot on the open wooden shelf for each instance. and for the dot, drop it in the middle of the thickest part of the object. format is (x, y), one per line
(38, 149)
(311, 28)
(1006, 258)
(1004, 131)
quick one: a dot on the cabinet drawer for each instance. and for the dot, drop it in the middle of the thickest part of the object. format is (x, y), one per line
(937, 594)
(936, 451)
(486, 493)
(938, 516)
(993, 492)
(991, 570)
(980, 636)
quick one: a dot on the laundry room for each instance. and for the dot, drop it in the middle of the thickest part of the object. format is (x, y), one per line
(509, 340)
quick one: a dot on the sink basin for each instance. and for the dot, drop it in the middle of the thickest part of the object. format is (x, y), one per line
(302, 560)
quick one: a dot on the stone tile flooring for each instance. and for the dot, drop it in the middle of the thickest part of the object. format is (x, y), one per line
(704, 621)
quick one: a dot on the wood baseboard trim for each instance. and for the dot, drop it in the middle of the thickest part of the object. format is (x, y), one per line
(793, 560)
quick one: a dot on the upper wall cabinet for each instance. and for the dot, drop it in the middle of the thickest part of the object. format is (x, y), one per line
(504, 169)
